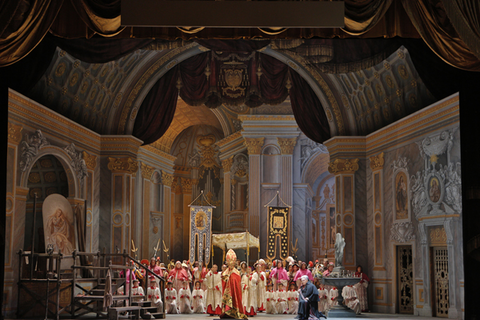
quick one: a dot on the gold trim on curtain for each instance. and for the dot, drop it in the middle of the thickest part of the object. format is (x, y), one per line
(361, 17)
(15, 45)
(106, 27)
(465, 18)
(431, 21)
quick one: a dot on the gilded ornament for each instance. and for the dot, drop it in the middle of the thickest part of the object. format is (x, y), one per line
(50, 177)
(186, 185)
(287, 145)
(34, 177)
(125, 165)
(167, 179)
(254, 145)
(60, 69)
(227, 164)
(343, 166)
(90, 160)
(402, 70)
(377, 162)
(147, 171)
(438, 236)
(386, 65)
(14, 133)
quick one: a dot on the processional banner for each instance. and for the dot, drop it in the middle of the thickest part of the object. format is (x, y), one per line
(201, 229)
(278, 230)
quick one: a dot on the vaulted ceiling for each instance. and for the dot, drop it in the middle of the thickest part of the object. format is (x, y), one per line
(95, 95)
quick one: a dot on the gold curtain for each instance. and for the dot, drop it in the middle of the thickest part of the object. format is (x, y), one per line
(104, 26)
(431, 20)
(465, 18)
(23, 25)
(362, 16)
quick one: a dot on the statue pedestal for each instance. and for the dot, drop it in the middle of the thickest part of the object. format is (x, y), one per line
(340, 311)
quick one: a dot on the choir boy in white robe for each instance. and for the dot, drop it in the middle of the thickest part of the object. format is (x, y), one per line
(332, 298)
(350, 296)
(198, 298)
(252, 293)
(171, 299)
(262, 283)
(154, 296)
(271, 298)
(214, 291)
(185, 299)
(282, 306)
(245, 276)
(322, 299)
(292, 299)
(137, 292)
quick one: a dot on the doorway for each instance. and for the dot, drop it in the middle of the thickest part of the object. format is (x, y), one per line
(405, 290)
(439, 280)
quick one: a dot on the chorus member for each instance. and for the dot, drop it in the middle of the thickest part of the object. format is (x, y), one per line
(252, 293)
(185, 299)
(303, 272)
(293, 299)
(308, 300)
(198, 298)
(261, 285)
(214, 293)
(279, 274)
(361, 288)
(171, 306)
(154, 296)
(282, 304)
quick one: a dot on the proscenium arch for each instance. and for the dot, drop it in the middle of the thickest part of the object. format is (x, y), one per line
(74, 190)
(327, 99)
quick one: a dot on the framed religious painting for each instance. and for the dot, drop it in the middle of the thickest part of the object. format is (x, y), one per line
(401, 196)
(330, 232)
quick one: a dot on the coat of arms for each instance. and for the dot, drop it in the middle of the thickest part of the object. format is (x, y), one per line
(233, 79)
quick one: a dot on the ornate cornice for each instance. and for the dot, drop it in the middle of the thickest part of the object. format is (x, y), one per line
(266, 118)
(343, 166)
(254, 145)
(227, 164)
(230, 138)
(147, 171)
(377, 162)
(186, 185)
(160, 152)
(287, 144)
(167, 179)
(90, 160)
(122, 165)
(14, 133)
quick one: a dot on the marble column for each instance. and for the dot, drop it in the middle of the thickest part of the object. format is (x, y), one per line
(187, 199)
(123, 172)
(167, 181)
(344, 171)
(254, 147)
(147, 172)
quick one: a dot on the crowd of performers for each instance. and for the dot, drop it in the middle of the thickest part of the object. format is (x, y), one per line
(265, 287)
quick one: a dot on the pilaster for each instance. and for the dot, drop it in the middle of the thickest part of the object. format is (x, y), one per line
(254, 147)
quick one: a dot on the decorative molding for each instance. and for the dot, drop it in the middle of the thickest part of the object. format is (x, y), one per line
(244, 118)
(90, 160)
(186, 185)
(167, 179)
(227, 164)
(401, 163)
(377, 162)
(287, 145)
(402, 232)
(30, 147)
(309, 150)
(14, 133)
(230, 138)
(78, 163)
(147, 171)
(123, 165)
(438, 236)
(254, 145)
(343, 166)
(159, 152)
(240, 165)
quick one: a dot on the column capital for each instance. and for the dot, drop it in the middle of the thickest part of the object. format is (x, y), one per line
(254, 145)
(287, 144)
(186, 185)
(343, 166)
(14, 133)
(167, 179)
(90, 160)
(122, 165)
(227, 164)
(377, 162)
(147, 171)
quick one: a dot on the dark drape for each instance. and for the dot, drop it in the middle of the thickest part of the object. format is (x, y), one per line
(23, 75)
(308, 110)
(158, 108)
(273, 81)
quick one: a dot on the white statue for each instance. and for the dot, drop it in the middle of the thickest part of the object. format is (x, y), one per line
(339, 246)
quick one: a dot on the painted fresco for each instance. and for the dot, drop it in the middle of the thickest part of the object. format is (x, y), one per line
(401, 196)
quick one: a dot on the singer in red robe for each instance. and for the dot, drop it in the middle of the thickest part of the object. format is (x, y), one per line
(232, 306)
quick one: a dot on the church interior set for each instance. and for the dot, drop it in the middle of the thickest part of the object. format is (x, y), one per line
(124, 131)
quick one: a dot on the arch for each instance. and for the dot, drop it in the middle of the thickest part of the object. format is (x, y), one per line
(74, 186)
(314, 167)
